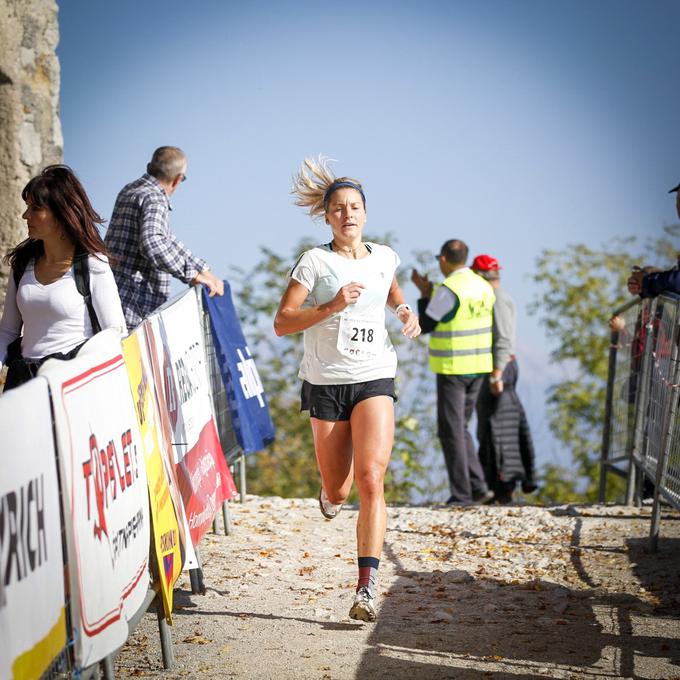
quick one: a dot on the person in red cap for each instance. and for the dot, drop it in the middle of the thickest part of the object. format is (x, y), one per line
(506, 448)
(648, 285)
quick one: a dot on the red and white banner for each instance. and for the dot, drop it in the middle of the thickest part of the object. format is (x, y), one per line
(202, 473)
(105, 498)
(32, 611)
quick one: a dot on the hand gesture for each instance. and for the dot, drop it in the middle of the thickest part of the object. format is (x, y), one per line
(635, 283)
(422, 283)
(617, 323)
(348, 295)
(411, 327)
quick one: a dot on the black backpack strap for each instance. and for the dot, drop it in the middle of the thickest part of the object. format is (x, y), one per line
(81, 273)
(17, 274)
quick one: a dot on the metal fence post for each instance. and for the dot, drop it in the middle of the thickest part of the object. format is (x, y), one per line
(196, 576)
(107, 667)
(167, 651)
(242, 477)
(606, 430)
(641, 408)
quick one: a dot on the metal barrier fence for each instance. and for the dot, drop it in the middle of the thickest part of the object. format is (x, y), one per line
(641, 436)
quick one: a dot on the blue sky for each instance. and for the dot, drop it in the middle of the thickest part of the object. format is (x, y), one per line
(514, 125)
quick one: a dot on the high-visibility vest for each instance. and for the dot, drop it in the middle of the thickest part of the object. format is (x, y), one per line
(462, 346)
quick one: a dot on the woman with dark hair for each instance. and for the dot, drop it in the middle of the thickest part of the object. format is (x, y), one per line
(45, 292)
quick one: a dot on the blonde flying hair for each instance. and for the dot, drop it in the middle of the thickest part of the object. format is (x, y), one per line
(312, 182)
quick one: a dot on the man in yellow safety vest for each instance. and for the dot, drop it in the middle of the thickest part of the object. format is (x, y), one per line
(458, 315)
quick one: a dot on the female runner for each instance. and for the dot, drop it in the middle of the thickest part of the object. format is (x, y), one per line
(336, 295)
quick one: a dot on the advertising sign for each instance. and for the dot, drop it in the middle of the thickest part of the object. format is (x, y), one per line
(247, 400)
(105, 498)
(202, 473)
(32, 614)
(167, 531)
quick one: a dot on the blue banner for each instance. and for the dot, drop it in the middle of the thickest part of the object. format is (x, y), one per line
(247, 401)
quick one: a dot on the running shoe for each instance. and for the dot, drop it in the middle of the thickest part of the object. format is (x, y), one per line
(328, 509)
(363, 608)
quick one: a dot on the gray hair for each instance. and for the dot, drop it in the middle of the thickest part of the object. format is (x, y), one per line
(166, 163)
(489, 275)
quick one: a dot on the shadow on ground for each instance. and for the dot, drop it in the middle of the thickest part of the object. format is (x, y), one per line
(531, 629)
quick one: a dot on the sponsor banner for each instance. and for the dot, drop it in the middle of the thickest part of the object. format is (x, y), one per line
(247, 401)
(168, 533)
(202, 473)
(155, 367)
(32, 612)
(104, 494)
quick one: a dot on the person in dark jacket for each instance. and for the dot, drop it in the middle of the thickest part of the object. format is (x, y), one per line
(506, 449)
(653, 284)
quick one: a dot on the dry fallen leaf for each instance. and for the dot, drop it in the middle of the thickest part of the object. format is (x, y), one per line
(197, 639)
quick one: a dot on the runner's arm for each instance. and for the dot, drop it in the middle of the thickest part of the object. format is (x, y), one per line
(291, 318)
(395, 298)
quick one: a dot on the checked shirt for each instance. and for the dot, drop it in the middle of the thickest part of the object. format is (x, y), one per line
(147, 253)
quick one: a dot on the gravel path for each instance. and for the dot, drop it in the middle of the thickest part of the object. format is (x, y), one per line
(483, 592)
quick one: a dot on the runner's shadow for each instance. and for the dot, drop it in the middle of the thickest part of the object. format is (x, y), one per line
(451, 624)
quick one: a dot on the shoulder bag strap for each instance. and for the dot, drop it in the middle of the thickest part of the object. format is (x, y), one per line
(81, 273)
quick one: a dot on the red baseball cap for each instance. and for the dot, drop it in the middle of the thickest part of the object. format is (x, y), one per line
(486, 263)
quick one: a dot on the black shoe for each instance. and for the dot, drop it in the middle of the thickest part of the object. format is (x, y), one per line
(529, 486)
(454, 502)
(484, 497)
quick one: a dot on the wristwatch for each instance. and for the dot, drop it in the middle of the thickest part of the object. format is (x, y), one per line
(493, 379)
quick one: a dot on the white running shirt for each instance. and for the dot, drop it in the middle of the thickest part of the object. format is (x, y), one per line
(352, 345)
(55, 316)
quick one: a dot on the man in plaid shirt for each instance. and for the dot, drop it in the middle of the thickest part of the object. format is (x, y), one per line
(147, 253)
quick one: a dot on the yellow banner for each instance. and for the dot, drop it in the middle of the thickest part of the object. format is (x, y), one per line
(167, 538)
(35, 661)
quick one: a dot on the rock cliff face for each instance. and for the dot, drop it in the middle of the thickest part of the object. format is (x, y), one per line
(30, 130)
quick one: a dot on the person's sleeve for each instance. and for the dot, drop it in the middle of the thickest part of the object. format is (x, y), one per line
(11, 322)
(442, 306)
(162, 248)
(304, 271)
(105, 298)
(661, 282)
(503, 332)
(397, 259)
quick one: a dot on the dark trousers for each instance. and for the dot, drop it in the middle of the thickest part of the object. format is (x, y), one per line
(456, 399)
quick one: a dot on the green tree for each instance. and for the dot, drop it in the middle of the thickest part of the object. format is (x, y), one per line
(288, 466)
(578, 288)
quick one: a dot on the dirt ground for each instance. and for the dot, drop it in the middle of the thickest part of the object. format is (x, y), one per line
(474, 593)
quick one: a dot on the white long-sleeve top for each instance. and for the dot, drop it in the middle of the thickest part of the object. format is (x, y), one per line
(55, 316)
(504, 328)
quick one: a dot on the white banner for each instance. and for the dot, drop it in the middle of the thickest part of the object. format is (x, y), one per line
(106, 504)
(202, 473)
(155, 355)
(32, 615)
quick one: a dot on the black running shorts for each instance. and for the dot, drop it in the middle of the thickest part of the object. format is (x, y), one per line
(335, 402)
